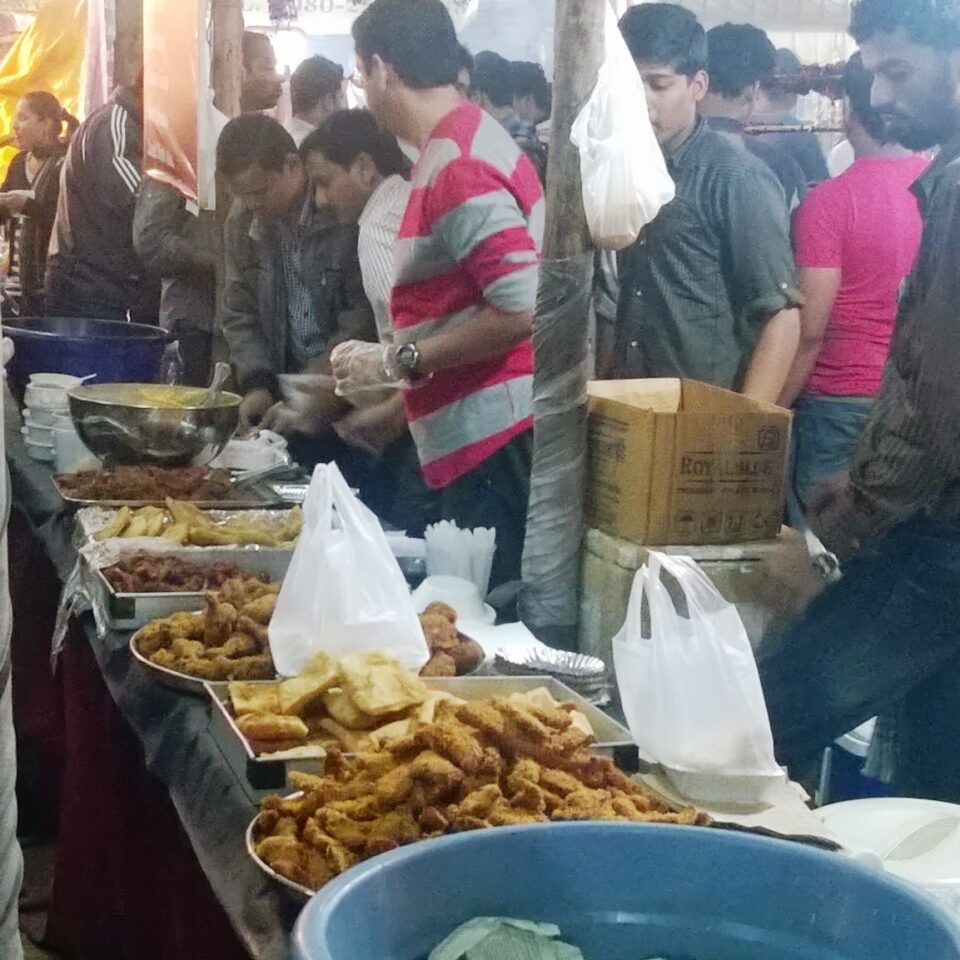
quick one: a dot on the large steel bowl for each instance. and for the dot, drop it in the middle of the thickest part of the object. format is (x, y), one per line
(130, 423)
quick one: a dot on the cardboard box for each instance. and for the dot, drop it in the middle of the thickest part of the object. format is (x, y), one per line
(681, 462)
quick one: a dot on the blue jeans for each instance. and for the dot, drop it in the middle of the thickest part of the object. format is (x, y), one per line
(826, 431)
(885, 637)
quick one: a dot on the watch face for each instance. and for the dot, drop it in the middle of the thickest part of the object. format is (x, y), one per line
(409, 357)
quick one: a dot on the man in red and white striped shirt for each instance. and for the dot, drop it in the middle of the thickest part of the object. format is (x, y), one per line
(467, 272)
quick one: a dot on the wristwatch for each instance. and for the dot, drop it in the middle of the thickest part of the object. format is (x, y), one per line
(408, 360)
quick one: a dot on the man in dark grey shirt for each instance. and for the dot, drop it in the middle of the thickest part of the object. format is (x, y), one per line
(709, 290)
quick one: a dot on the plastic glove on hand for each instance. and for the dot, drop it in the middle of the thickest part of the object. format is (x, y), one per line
(363, 366)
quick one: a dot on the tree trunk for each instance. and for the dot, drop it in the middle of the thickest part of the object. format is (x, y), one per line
(551, 563)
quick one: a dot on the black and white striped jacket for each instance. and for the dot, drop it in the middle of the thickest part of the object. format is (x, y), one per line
(92, 262)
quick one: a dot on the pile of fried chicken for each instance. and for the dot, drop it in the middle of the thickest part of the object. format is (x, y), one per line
(486, 763)
(161, 573)
(227, 641)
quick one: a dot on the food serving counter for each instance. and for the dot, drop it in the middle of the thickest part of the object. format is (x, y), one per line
(151, 854)
(151, 860)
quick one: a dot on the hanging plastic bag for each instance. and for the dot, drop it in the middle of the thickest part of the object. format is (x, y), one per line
(344, 592)
(690, 688)
(625, 178)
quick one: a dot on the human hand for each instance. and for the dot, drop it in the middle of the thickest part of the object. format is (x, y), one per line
(254, 407)
(374, 429)
(361, 366)
(14, 202)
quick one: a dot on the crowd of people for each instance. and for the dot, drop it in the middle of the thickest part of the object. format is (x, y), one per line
(381, 278)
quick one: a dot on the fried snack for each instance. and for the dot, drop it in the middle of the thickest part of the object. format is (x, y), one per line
(378, 685)
(441, 610)
(217, 644)
(451, 653)
(301, 694)
(350, 740)
(340, 706)
(116, 526)
(254, 698)
(489, 763)
(260, 610)
(440, 633)
(440, 665)
(267, 727)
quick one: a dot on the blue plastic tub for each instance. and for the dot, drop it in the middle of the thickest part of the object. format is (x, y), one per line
(115, 352)
(628, 892)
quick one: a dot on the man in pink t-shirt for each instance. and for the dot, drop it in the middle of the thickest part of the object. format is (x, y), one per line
(856, 239)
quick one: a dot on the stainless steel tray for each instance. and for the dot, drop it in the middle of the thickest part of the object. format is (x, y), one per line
(265, 774)
(181, 682)
(258, 496)
(299, 892)
(130, 611)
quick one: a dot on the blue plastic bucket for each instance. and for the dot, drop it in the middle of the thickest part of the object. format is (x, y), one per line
(116, 352)
(627, 892)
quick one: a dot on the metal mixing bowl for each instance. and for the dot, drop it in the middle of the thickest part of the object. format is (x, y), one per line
(130, 423)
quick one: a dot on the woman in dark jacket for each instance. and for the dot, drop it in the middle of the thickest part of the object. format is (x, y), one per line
(28, 197)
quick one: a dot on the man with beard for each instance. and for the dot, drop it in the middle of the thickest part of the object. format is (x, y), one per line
(884, 639)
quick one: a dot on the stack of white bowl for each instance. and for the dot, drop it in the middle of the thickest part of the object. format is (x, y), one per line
(48, 429)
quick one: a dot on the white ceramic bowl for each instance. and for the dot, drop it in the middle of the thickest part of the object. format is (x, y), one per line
(59, 381)
(51, 399)
(38, 432)
(40, 451)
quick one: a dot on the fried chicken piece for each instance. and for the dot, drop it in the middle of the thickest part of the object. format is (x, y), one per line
(453, 740)
(439, 665)
(351, 833)
(441, 635)
(432, 821)
(441, 610)
(202, 669)
(259, 633)
(220, 620)
(522, 771)
(558, 781)
(246, 668)
(394, 829)
(374, 764)
(477, 805)
(468, 655)
(164, 658)
(366, 808)
(296, 861)
(394, 787)
(260, 610)
(438, 778)
(336, 855)
(527, 796)
(237, 646)
(505, 814)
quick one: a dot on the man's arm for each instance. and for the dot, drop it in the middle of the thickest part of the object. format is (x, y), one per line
(239, 313)
(751, 215)
(159, 239)
(488, 335)
(773, 356)
(819, 286)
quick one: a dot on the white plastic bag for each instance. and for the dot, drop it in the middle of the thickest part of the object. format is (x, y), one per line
(690, 688)
(625, 178)
(344, 592)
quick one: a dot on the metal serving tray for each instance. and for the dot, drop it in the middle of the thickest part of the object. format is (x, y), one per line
(263, 773)
(256, 496)
(130, 611)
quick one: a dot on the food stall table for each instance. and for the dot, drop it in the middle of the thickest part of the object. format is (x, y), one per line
(151, 861)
